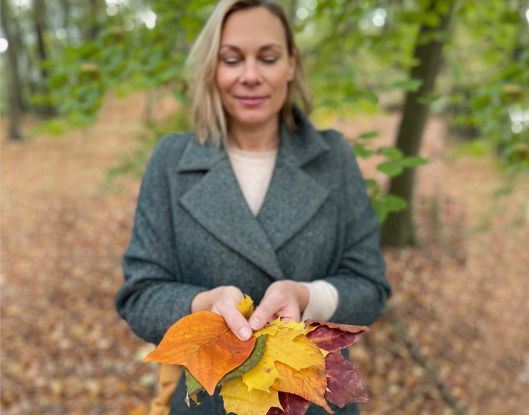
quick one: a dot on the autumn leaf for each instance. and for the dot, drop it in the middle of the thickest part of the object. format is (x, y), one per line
(204, 344)
(286, 346)
(295, 328)
(192, 384)
(250, 363)
(292, 405)
(333, 337)
(343, 381)
(245, 306)
(239, 400)
(309, 383)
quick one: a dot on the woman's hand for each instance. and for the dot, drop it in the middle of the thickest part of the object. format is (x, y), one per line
(286, 299)
(223, 300)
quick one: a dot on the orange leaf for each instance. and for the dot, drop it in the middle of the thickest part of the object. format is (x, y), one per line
(309, 383)
(204, 344)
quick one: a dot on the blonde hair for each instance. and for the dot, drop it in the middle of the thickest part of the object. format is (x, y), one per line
(206, 106)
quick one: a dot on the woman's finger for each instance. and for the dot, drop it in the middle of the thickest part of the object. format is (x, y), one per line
(226, 306)
(266, 310)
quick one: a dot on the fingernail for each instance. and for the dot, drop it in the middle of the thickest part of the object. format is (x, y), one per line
(245, 333)
(255, 323)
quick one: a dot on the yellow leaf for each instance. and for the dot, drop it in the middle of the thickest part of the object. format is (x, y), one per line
(245, 306)
(274, 326)
(239, 400)
(309, 383)
(298, 354)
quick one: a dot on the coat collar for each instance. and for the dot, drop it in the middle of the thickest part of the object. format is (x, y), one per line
(293, 196)
(298, 147)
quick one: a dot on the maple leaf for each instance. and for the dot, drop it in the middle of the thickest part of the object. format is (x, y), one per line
(333, 337)
(205, 345)
(272, 328)
(343, 381)
(286, 346)
(292, 405)
(309, 383)
(238, 399)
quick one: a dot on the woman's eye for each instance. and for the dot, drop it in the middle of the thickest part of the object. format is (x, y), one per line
(269, 59)
(230, 61)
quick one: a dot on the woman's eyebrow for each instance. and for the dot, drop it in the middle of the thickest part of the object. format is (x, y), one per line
(264, 47)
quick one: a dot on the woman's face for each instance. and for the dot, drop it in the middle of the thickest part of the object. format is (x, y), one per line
(254, 68)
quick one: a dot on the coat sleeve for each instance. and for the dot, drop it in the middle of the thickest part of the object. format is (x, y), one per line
(360, 280)
(153, 297)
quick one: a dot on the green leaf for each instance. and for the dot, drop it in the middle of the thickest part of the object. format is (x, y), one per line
(431, 19)
(254, 358)
(361, 151)
(428, 99)
(413, 161)
(392, 153)
(394, 203)
(192, 384)
(390, 168)
(408, 85)
(371, 184)
(368, 135)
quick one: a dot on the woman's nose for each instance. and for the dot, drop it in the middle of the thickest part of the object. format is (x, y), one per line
(250, 74)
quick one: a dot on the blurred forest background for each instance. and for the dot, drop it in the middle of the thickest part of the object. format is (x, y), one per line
(434, 96)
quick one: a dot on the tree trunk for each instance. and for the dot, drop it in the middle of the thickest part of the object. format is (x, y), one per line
(520, 39)
(39, 16)
(292, 10)
(94, 28)
(15, 104)
(24, 71)
(399, 230)
(38, 21)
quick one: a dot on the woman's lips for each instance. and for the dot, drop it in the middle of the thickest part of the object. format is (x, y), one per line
(251, 102)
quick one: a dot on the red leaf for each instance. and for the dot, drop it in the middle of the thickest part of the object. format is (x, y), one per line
(343, 382)
(292, 405)
(333, 337)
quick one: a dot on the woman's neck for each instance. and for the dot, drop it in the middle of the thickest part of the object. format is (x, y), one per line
(255, 139)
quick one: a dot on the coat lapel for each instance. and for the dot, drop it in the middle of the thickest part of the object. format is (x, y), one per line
(293, 197)
(217, 203)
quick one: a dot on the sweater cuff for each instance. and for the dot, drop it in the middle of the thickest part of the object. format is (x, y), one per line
(323, 301)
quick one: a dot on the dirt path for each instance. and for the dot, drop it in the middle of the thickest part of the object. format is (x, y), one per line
(461, 297)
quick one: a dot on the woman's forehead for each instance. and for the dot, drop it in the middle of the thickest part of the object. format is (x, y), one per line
(255, 28)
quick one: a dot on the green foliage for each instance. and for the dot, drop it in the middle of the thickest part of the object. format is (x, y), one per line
(490, 79)
(357, 55)
(392, 165)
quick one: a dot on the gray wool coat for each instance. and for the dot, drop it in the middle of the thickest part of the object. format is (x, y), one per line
(194, 231)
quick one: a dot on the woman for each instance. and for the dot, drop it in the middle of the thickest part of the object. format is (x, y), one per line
(255, 201)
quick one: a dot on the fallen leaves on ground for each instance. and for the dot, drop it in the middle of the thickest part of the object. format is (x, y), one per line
(63, 236)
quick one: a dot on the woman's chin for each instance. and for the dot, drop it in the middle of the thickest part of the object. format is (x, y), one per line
(253, 119)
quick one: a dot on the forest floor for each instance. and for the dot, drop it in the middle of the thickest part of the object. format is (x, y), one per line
(454, 340)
